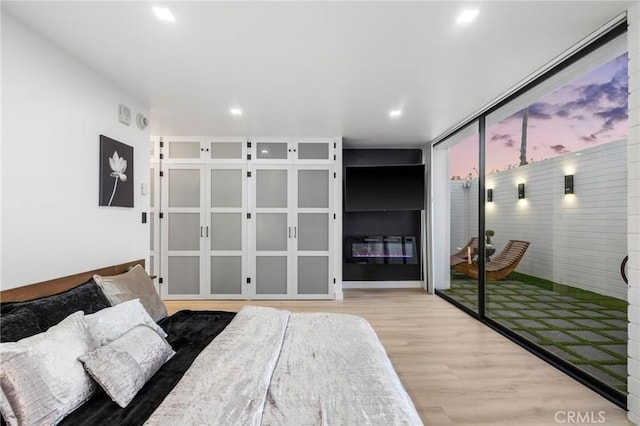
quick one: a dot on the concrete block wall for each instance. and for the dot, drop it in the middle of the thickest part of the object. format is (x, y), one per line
(578, 240)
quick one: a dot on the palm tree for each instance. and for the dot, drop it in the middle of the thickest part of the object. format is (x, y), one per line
(523, 141)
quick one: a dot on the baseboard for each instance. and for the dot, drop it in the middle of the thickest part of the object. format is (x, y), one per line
(382, 284)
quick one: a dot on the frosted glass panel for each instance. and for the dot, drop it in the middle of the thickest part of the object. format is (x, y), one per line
(152, 224)
(226, 188)
(152, 187)
(184, 188)
(313, 231)
(271, 188)
(184, 231)
(271, 275)
(226, 275)
(184, 149)
(271, 231)
(313, 188)
(272, 150)
(184, 275)
(226, 231)
(313, 275)
(313, 151)
(221, 150)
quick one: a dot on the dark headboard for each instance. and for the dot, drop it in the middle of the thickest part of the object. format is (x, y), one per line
(58, 285)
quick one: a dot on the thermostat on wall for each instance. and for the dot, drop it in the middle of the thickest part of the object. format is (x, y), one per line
(124, 114)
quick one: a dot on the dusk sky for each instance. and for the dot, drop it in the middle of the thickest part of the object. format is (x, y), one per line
(590, 111)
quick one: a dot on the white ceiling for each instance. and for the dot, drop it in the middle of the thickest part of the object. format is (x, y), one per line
(315, 68)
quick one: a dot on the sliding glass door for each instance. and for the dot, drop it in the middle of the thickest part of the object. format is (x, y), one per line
(557, 219)
(463, 158)
(536, 208)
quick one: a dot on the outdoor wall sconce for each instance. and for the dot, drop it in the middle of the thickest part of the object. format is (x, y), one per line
(520, 191)
(490, 195)
(568, 184)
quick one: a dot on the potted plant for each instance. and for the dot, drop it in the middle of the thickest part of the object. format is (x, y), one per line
(488, 234)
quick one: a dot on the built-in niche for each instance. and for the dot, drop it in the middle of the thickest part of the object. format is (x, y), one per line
(380, 243)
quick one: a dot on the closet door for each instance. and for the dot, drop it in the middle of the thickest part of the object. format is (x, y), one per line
(271, 150)
(226, 150)
(270, 231)
(153, 192)
(226, 231)
(313, 232)
(314, 150)
(183, 231)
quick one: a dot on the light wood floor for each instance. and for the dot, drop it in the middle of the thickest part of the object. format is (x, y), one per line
(457, 371)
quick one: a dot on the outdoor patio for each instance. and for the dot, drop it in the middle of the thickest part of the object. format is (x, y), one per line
(589, 332)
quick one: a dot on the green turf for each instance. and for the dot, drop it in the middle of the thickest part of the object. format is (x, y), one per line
(578, 293)
(577, 313)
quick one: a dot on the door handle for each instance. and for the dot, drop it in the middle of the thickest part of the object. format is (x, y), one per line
(201, 231)
(295, 232)
(289, 232)
(207, 232)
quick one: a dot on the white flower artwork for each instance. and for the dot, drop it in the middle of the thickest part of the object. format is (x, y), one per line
(116, 173)
(119, 166)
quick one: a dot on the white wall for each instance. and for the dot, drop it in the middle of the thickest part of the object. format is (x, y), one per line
(633, 237)
(578, 240)
(53, 110)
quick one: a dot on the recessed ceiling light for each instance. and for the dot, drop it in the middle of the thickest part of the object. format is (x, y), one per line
(235, 111)
(395, 113)
(164, 14)
(467, 16)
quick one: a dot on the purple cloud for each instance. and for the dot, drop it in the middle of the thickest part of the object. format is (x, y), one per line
(505, 138)
(592, 138)
(559, 149)
(612, 116)
(540, 111)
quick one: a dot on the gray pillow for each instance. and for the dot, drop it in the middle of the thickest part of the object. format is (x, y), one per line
(110, 323)
(123, 366)
(134, 284)
(41, 379)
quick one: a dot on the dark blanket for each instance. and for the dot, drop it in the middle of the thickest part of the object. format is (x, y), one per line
(189, 333)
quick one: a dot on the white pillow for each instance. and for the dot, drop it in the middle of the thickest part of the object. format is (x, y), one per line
(41, 378)
(123, 366)
(108, 324)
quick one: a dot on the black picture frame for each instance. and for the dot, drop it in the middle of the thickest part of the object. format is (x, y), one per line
(116, 173)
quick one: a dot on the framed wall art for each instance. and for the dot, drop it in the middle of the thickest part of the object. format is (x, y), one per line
(116, 173)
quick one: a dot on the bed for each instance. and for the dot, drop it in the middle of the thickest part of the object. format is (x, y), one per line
(260, 366)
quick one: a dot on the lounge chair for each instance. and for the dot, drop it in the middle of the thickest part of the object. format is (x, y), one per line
(461, 256)
(501, 265)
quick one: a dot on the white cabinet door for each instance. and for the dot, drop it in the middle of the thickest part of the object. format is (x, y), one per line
(183, 231)
(204, 228)
(153, 192)
(314, 150)
(204, 150)
(271, 150)
(226, 150)
(293, 150)
(226, 231)
(313, 232)
(291, 231)
(270, 232)
(183, 149)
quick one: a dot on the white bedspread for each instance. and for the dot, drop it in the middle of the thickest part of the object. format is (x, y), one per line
(273, 367)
